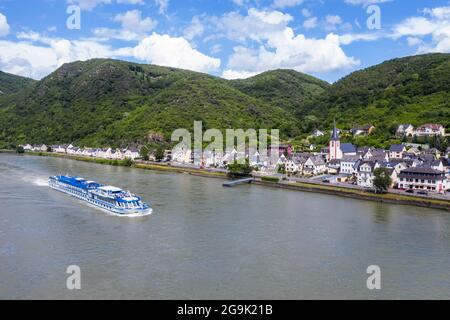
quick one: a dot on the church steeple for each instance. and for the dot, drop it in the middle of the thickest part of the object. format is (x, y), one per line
(335, 133)
(335, 151)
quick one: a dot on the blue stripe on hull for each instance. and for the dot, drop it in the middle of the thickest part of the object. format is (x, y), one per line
(84, 195)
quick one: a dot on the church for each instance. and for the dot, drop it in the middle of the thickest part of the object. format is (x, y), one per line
(334, 147)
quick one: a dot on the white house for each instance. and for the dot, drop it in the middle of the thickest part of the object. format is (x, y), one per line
(405, 130)
(430, 129)
(318, 133)
(27, 147)
(181, 155)
(365, 173)
(60, 149)
(396, 151)
(315, 165)
(293, 166)
(131, 153)
(348, 165)
(71, 150)
(423, 178)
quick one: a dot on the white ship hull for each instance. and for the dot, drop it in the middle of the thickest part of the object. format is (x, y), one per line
(86, 196)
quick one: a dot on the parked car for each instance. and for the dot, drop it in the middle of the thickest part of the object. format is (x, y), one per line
(409, 191)
(423, 192)
(326, 181)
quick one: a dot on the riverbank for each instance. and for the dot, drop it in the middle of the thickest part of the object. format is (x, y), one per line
(391, 198)
(297, 186)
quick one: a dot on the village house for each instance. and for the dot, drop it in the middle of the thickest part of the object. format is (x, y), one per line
(396, 151)
(362, 130)
(446, 165)
(60, 149)
(397, 164)
(27, 147)
(131, 153)
(293, 166)
(423, 178)
(405, 130)
(368, 153)
(414, 150)
(365, 173)
(348, 164)
(348, 149)
(318, 133)
(333, 166)
(256, 160)
(394, 177)
(314, 165)
(430, 129)
(71, 150)
(88, 152)
(437, 165)
(39, 148)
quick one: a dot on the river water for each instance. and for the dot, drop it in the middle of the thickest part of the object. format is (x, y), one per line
(208, 242)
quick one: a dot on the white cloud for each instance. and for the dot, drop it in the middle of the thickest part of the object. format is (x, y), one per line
(439, 12)
(413, 41)
(256, 25)
(286, 3)
(310, 23)
(4, 26)
(132, 21)
(435, 25)
(333, 19)
(88, 5)
(415, 26)
(195, 29)
(277, 46)
(430, 32)
(306, 13)
(162, 5)
(133, 27)
(233, 74)
(365, 2)
(176, 52)
(141, 2)
(38, 60)
(292, 52)
(348, 38)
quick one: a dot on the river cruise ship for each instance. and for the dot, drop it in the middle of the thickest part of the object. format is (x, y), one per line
(112, 199)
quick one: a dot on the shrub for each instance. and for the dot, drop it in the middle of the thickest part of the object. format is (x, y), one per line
(270, 179)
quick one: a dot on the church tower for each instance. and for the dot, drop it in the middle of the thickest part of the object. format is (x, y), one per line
(335, 151)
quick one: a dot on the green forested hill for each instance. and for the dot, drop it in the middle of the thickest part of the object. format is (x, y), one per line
(10, 83)
(288, 89)
(110, 102)
(101, 102)
(408, 90)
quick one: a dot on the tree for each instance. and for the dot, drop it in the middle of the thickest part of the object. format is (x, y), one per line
(127, 162)
(382, 180)
(159, 154)
(240, 169)
(20, 149)
(282, 169)
(144, 153)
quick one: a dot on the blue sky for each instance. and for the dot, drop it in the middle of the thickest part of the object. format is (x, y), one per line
(227, 38)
